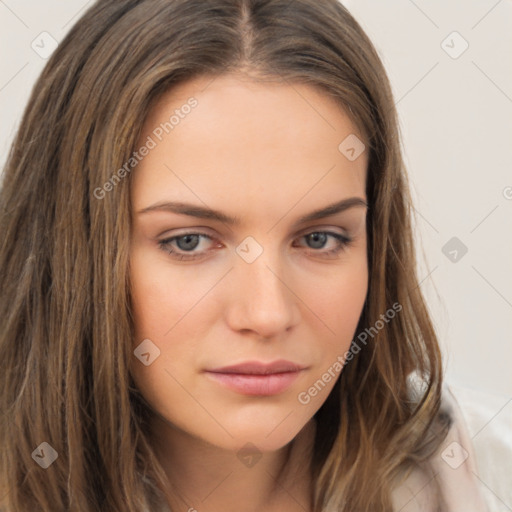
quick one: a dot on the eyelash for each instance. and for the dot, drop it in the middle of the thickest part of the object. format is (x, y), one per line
(343, 243)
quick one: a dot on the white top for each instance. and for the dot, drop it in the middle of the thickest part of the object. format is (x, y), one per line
(473, 466)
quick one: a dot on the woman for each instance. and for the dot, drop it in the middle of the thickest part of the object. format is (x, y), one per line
(210, 299)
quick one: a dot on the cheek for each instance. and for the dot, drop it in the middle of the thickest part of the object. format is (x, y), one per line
(160, 296)
(339, 305)
(160, 299)
(338, 300)
(171, 309)
(348, 302)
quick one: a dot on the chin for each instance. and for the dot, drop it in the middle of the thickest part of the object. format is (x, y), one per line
(262, 437)
(250, 443)
(259, 428)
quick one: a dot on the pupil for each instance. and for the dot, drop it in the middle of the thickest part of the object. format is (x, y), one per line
(188, 238)
(318, 237)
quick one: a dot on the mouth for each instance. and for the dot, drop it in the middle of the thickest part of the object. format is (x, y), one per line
(256, 378)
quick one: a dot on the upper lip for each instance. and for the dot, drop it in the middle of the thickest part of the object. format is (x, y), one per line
(259, 368)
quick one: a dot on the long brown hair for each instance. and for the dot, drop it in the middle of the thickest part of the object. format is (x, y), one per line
(66, 328)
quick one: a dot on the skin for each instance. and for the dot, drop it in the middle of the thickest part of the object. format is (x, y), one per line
(268, 154)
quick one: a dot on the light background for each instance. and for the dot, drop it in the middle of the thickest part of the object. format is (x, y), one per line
(456, 120)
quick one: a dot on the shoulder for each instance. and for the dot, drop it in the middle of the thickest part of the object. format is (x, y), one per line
(488, 421)
(467, 471)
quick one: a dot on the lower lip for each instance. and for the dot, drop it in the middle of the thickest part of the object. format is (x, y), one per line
(261, 385)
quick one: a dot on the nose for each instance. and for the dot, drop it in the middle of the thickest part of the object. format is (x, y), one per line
(261, 297)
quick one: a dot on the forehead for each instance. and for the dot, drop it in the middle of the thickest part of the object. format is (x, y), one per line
(250, 145)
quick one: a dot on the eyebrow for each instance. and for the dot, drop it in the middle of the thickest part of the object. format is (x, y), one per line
(208, 213)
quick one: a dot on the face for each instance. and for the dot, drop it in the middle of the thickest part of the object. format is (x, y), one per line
(256, 281)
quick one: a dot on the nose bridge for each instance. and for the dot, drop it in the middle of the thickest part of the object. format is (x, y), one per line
(262, 301)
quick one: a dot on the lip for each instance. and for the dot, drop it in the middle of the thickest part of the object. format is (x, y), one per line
(259, 368)
(256, 378)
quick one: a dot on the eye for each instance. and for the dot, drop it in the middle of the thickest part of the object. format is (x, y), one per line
(319, 238)
(183, 247)
(186, 242)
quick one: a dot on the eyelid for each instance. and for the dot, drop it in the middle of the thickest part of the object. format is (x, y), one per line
(170, 233)
(322, 227)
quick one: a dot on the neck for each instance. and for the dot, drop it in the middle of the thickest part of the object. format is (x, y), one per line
(207, 478)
